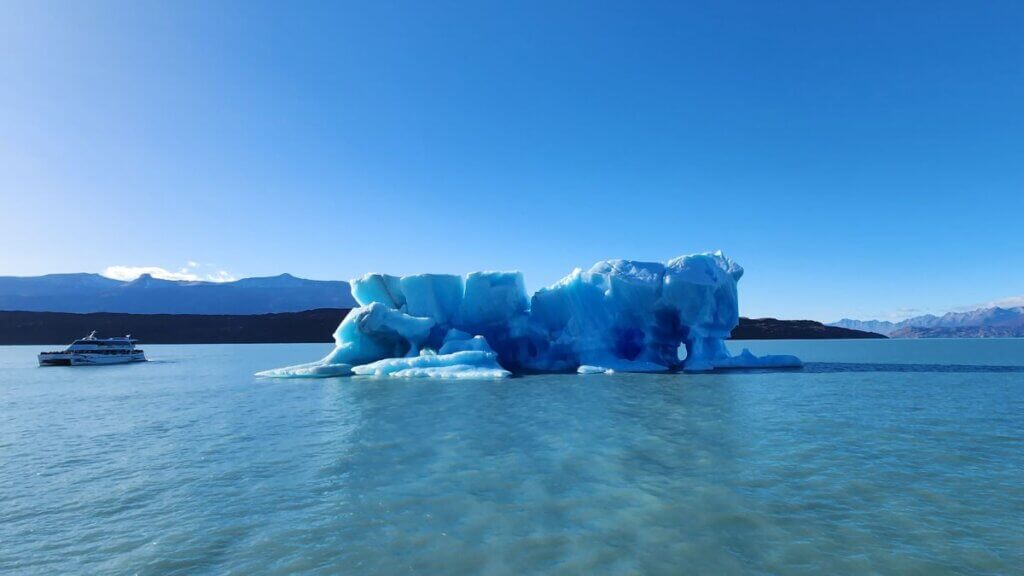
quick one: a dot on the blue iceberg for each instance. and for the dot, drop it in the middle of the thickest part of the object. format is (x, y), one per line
(618, 316)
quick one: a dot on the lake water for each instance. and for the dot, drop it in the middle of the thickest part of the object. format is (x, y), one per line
(896, 457)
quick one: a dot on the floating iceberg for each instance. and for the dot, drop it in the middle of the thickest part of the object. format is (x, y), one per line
(619, 316)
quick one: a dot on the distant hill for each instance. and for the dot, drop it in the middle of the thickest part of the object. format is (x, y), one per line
(992, 322)
(60, 328)
(883, 327)
(772, 329)
(56, 328)
(81, 293)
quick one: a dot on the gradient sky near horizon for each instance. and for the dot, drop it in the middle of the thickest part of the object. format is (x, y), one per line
(858, 158)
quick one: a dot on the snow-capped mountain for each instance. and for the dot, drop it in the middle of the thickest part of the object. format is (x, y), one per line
(980, 323)
(149, 295)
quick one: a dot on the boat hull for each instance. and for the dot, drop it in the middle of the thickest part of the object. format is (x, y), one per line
(85, 359)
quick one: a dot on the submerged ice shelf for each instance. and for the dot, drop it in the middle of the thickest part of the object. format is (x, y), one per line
(619, 316)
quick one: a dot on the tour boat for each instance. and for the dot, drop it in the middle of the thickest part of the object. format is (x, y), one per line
(93, 351)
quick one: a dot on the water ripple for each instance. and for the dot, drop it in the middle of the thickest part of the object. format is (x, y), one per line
(191, 466)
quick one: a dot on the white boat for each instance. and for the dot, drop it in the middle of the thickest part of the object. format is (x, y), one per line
(93, 351)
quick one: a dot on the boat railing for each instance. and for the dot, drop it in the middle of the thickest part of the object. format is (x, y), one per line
(107, 352)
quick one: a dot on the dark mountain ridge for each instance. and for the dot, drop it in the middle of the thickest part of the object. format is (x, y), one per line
(773, 329)
(56, 328)
(61, 328)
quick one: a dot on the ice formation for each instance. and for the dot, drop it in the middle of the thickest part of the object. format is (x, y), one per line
(619, 316)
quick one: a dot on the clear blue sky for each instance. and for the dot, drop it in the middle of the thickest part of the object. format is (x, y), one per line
(858, 158)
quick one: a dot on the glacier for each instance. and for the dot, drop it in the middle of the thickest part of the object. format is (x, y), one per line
(618, 316)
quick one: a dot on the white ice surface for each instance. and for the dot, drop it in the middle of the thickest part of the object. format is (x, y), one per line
(311, 370)
(465, 364)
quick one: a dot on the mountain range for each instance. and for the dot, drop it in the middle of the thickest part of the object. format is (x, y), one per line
(275, 309)
(85, 293)
(148, 295)
(994, 322)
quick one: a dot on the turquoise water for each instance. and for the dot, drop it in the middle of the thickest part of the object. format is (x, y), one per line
(885, 457)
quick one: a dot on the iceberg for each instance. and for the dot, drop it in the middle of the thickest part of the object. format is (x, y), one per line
(618, 316)
(319, 369)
